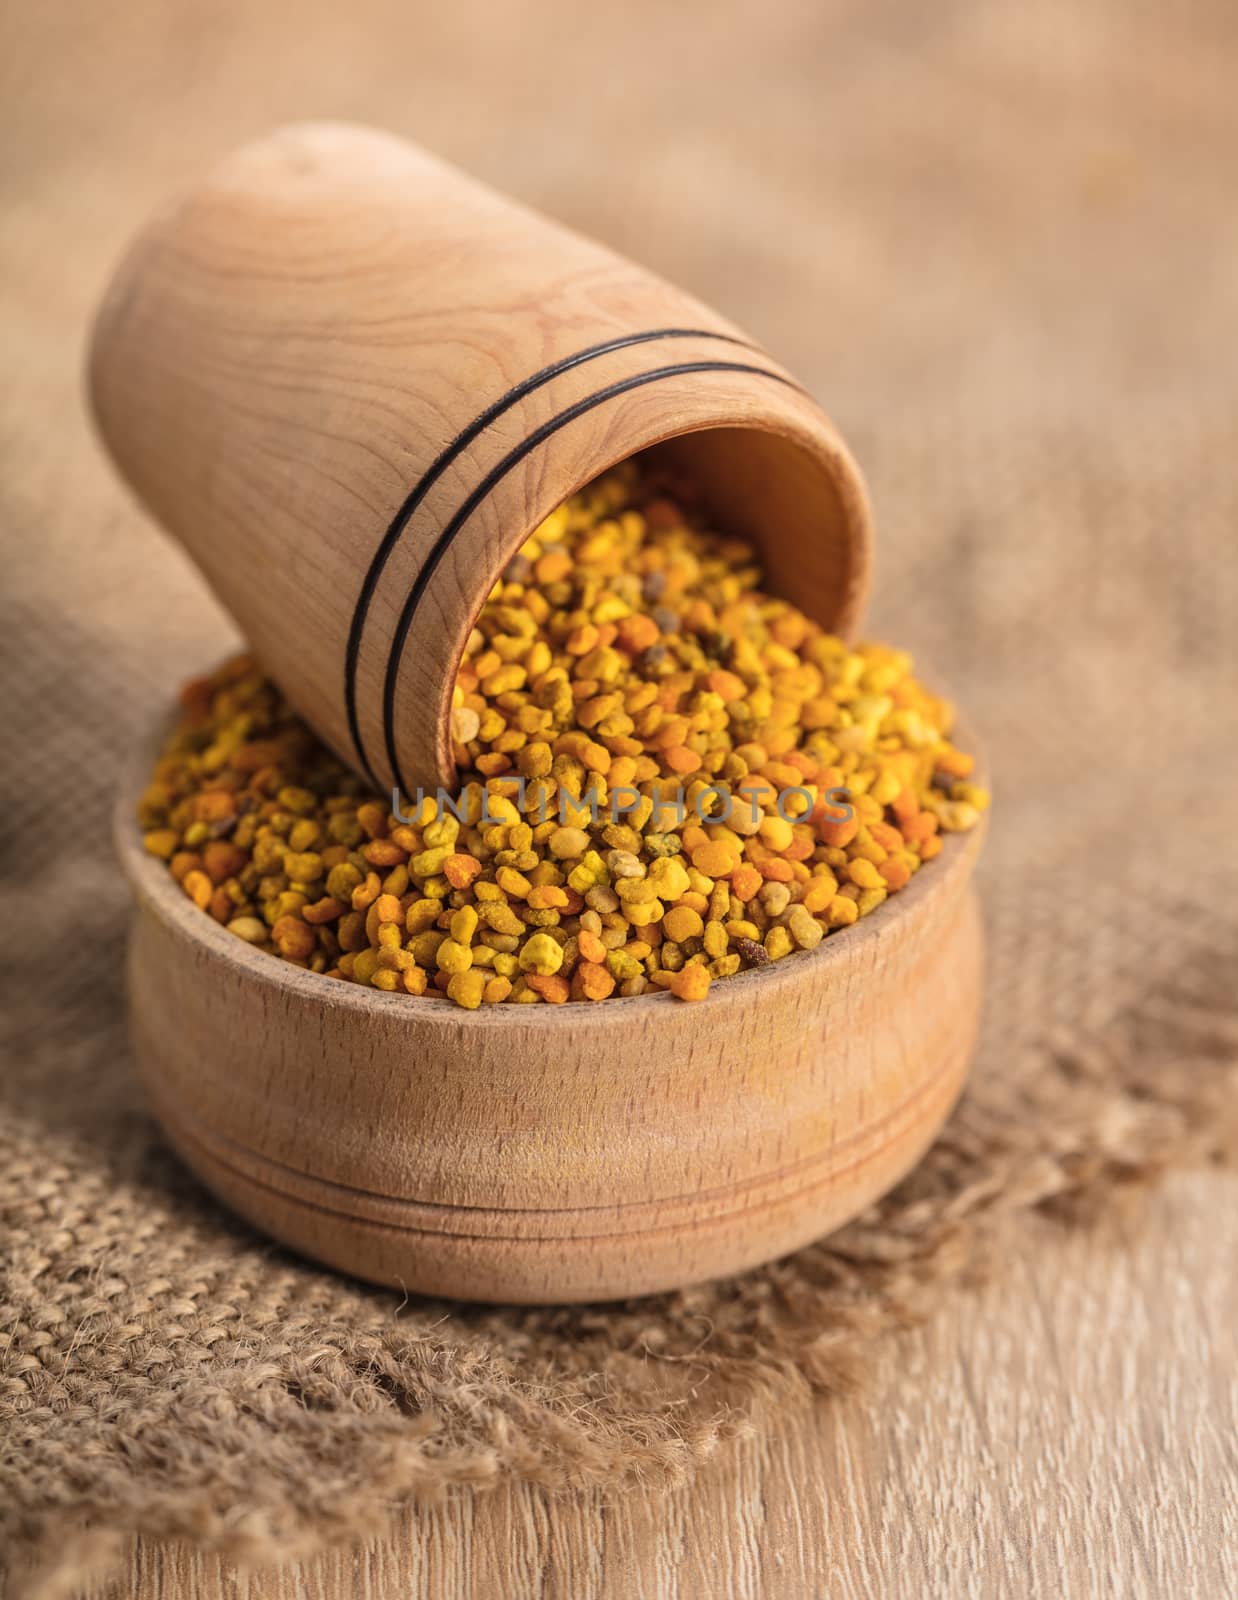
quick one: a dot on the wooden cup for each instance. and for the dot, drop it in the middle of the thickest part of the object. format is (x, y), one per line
(351, 381)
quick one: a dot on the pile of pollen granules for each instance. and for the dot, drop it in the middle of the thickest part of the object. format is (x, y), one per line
(667, 776)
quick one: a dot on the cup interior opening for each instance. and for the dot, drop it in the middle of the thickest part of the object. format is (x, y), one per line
(800, 502)
(804, 511)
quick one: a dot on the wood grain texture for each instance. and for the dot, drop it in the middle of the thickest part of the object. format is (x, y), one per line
(1066, 1432)
(351, 382)
(555, 1153)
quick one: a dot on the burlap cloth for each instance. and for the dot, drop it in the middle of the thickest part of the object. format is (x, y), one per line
(1000, 243)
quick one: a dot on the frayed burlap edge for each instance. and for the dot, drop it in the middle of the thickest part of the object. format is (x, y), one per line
(386, 1420)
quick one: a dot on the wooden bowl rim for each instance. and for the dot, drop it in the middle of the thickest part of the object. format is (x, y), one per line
(155, 888)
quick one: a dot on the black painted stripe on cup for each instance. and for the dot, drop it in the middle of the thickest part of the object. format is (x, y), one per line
(440, 464)
(495, 476)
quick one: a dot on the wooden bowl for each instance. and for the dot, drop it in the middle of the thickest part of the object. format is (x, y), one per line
(544, 1154)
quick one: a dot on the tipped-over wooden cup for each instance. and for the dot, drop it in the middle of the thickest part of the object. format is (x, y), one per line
(543, 1154)
(351, 381)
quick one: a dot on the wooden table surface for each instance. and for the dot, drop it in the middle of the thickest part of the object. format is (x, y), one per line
(1069, 1430)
